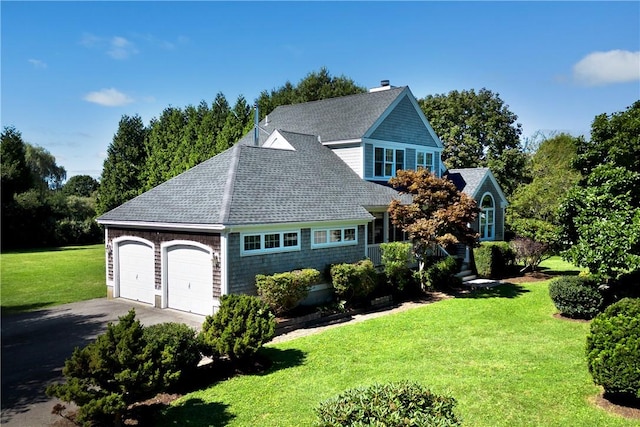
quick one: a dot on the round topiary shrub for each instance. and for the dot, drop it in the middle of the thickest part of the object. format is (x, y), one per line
(174, 351)
(238, 329)
(613, 350)
(576, 297)
(393, 404)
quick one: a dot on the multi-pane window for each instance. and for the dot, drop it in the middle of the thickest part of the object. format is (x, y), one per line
(290, 239)
(487, 218)
(387, 161)
(270, 242)
(334, 237)
(424, 160)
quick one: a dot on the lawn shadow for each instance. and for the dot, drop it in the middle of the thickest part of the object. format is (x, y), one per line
(7, 310)
(196, 412)
(266, 361)
(550, 272)
(282, 359)
(51, 249)
(35, 346)
(503, 290)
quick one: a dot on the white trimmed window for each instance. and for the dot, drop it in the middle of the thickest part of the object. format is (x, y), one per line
(424, 160)
(325, 237)
(387, 161)
(276, 241)
(487, 217)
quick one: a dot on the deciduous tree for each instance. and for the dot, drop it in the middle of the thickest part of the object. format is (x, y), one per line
(438, 215)
(80, 185)
(478, 130)
(601, 215)
(532, 210)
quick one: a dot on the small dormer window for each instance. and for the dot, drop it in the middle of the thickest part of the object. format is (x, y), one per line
(387, 161)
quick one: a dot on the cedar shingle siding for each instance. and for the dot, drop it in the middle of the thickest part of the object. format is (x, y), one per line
(404, 125)
(243, 269)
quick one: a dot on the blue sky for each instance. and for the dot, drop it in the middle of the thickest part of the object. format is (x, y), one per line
(70, 70)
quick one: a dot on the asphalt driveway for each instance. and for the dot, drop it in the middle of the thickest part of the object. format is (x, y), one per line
(36, 344)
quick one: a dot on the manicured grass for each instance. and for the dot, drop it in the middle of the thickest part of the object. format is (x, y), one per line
(501, 354)
(40, 278)
(556, 265)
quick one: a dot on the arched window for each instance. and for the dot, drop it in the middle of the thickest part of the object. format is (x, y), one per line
(487, 217)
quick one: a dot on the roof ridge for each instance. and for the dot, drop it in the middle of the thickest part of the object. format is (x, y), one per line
(229, 185)
(342, 97)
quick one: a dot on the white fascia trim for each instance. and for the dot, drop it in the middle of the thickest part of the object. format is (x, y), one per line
(401, 145)
(355, 141)
(224, 266)
(290, 226)
(163, 225)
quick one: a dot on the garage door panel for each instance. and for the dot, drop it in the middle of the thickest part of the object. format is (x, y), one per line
(136, 271)
(189, 279)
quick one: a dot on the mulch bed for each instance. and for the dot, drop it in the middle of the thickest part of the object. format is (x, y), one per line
(629, 412)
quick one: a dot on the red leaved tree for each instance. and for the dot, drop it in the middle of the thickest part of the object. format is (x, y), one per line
(439, 215)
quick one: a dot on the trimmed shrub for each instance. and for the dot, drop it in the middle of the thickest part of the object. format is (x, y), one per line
(109, 374)
(613, 349)
(393, 404)
(353, 280)
(283, 291)
(441, 275)
(238, 329)
(396, 257)
(529, 252)
(493, 259)
(174, 351)
(576, 297)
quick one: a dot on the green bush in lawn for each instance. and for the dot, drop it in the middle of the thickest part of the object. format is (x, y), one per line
(396, 257)
(393, 404)
(442, 274)
(576, 297)
(613, 349)
(109, 374)
(174, 350)
(493, 259)
(238, 329)
(353, 280)
(283, 291)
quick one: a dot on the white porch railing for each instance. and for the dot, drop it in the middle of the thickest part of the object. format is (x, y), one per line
(374, 253)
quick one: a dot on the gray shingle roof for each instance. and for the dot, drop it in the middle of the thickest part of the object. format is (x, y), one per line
(333, 119)
(467, 180)
(255, 185)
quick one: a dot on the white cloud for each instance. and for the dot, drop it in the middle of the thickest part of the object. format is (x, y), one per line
(38, 63)
(116, 47)
(121, 48)
(614, 66)
(108, 98)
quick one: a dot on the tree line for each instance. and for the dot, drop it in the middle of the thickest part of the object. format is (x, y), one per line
(477, 128)
(38, 207)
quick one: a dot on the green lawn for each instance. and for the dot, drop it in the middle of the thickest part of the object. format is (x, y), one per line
(501, 354)
(41, 278)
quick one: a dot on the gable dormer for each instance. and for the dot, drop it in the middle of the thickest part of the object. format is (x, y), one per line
(401, 138)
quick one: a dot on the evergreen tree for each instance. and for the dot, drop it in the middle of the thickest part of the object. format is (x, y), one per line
(121, 173)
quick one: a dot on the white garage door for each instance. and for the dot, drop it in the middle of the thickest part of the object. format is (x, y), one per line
(136, 271)
(189, 279)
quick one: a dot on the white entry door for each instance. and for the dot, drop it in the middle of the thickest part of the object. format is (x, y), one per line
(189, 279)
(136, 272)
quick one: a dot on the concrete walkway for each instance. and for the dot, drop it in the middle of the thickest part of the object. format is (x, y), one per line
(36, 344)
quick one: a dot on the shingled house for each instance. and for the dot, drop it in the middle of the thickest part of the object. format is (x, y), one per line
(304, 190)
